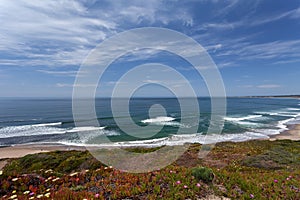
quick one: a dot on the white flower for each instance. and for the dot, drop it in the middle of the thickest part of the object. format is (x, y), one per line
(26, 192)
(55, 179)
(47, 195)
(13, 196)
(73, 174)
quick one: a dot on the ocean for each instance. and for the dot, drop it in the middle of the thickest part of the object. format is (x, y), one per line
(50, 121)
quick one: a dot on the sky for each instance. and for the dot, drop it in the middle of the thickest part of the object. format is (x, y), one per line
(255, 44)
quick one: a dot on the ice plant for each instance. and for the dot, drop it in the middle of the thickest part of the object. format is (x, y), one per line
(275, 181)
(178, 182)
(251, 196)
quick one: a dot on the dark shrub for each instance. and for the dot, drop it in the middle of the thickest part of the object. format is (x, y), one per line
(203, 173)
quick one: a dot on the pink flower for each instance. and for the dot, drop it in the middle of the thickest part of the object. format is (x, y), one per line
(178, 182)
(251, 196)
(275, 181)
(171, 171)
(287, 178)
(97, 195)
(185, 186)
(198, 185)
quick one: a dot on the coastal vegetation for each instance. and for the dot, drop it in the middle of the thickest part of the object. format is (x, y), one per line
(257, 169)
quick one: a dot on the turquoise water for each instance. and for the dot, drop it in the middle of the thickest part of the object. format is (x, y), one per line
(24, 121)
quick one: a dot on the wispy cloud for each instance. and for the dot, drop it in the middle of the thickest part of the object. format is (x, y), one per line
(63, 32)
(59, 73)
(75, 85)
(275, 51)
(268, 86)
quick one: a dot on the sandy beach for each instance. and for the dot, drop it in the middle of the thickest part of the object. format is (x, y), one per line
(22, 150)
(292, 134)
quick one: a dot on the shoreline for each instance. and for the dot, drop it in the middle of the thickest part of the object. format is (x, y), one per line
(17, 151)
(293, 133)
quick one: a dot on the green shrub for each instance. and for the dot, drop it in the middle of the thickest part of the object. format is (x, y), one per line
(203, 173)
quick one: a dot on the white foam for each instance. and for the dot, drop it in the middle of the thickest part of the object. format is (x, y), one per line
(44, 129)
(282, 114)
(48, 124)
(29, 130)
(293, 109)
(195, 138)
(175, 140)
(85, 128)
(243, 120)
(87, 137)
(234, 119)
(158, 120)
(164, 121)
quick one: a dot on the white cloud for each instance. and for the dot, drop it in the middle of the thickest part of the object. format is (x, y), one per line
(74, 85)
(59, 73)
(63, 32)
(268, 86)
(275, 50)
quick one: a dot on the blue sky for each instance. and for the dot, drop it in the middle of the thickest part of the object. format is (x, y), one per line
(255, 44)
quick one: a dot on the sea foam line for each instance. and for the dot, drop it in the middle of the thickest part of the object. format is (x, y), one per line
(158, 120)
(44, 129)
(242, 118)
(48, 124)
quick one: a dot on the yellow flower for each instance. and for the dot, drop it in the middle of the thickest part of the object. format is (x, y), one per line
(26, 192)
(14, 179)
(1, 172)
